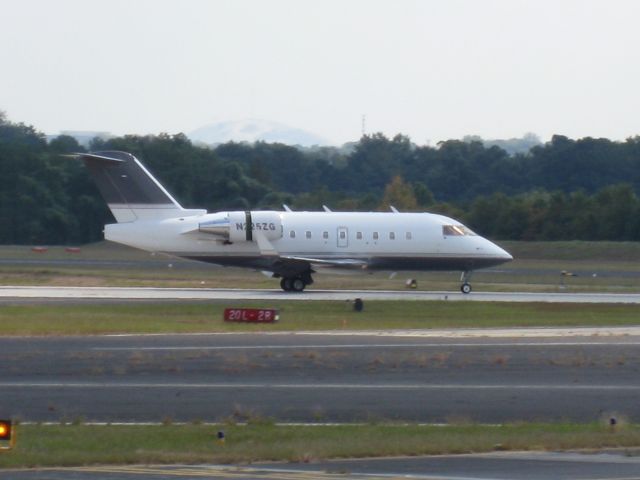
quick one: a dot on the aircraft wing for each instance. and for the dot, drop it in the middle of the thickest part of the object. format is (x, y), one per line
(269, 251)
(354, 263)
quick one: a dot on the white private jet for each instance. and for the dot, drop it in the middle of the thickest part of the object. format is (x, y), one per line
(289, 245)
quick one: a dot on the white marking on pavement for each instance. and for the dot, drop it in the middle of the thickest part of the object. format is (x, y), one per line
(337, 346)
(247, 294)
(320, 386)
(513, 332)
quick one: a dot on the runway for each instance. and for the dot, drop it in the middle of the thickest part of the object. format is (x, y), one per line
(317, 377)
(488, 466)
(430, 376)
(143, 293)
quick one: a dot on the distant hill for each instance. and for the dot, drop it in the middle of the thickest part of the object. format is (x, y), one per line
(253, 130)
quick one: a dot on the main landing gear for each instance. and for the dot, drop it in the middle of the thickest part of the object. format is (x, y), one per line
(295, 284)
(466, 286)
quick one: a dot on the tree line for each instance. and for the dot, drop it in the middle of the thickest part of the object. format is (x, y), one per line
(584, 189)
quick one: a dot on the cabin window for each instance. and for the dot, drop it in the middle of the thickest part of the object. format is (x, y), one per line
(456, 231)
(343, 234)
(407, 235)
(359, 235)
(308, 234)
(392, 236)
(325, 235)
(375, 235)
(292, 234)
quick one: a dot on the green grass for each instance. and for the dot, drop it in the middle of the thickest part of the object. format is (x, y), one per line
(53, 319)
(69, 445)
(536, 269)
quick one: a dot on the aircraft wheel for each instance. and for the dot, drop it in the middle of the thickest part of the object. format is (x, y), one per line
(297, 285)
(465, 288)
(286, 284)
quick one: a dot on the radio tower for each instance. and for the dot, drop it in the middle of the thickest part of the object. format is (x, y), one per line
(364, 124)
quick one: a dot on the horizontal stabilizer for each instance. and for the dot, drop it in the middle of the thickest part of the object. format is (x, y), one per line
(93, 157)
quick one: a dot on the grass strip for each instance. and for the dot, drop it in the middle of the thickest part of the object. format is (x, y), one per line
(73, 445)
(197, 317)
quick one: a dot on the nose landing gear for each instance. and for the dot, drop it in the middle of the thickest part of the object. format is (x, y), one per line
(466, 286)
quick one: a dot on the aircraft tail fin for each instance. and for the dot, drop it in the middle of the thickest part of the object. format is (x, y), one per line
(131, 192)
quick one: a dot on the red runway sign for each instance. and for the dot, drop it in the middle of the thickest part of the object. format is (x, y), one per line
(252, 315)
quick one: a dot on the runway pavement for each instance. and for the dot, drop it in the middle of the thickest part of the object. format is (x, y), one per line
(142, 293)
(490, 376)
(490, 466)
(318, 377)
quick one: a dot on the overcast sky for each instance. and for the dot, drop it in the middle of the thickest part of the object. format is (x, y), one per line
(433, 70)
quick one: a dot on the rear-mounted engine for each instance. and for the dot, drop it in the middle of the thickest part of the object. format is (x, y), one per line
(243, 226)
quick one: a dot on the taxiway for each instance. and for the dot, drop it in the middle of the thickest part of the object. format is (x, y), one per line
(321, 377)
(147, 293)
(488, 466)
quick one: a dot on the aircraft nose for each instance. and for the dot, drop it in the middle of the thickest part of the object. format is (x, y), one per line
(503, 254)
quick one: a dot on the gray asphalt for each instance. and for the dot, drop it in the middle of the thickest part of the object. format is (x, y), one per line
(319, 378)
(492, 466)
(8, 293)
(507, 466)
(323, 378)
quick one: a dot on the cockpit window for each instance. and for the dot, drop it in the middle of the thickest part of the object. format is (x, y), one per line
(456, 231)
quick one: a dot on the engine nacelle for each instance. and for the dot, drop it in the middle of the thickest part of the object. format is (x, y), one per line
(242, 226)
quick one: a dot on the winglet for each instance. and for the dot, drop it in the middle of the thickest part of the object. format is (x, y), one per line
(393, 209)
(286, 207)
(326, 209)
